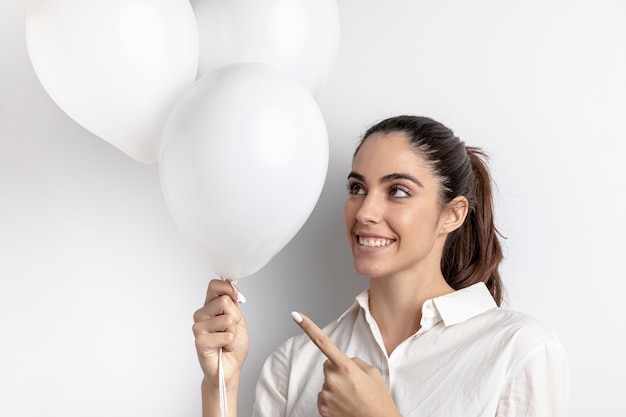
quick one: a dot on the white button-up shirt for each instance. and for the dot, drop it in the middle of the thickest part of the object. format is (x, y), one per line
(469, 358)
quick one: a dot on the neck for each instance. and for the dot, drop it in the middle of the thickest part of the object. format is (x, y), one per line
(396, 304)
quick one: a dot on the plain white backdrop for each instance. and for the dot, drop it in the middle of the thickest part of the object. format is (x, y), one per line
(98, 287)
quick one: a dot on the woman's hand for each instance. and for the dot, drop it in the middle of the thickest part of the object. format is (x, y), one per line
(352, 388)
(220, 324)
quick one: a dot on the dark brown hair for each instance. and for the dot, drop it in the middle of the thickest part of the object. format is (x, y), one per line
(472, 253)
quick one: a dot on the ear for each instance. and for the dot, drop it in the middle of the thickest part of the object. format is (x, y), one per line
(454, 214)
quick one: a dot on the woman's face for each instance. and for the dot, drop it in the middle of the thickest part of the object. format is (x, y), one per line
(393, 216)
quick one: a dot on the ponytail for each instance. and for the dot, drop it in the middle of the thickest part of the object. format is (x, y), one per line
(473, 253)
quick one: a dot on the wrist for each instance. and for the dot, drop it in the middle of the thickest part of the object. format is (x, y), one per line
(211, 397)
(212, 389)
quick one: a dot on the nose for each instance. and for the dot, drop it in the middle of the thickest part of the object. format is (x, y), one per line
(370, 210)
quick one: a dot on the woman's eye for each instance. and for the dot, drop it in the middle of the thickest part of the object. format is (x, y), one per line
(355, 189)
(399, 191)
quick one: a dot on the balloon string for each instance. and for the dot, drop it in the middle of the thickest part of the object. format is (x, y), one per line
(220, 370)
(222, 384)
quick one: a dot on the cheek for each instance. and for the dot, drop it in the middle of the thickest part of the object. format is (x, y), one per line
(349, 213)
(402, 222)
(412, 223)
(348, 218)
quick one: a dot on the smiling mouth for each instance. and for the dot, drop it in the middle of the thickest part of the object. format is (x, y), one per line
(374, 242)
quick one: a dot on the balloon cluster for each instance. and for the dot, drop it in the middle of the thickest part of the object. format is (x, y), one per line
(219, 92)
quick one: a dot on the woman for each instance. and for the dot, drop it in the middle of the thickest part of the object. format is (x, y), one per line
(428, 337)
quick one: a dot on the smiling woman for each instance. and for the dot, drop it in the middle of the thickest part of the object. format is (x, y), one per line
(435, 171)
(429, 336)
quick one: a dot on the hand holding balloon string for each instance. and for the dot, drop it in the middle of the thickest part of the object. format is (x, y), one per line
(351, 386)
(222, 342)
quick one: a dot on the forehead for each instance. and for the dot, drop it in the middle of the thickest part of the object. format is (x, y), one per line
(385, 153)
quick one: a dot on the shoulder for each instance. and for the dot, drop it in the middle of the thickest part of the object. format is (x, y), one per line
(520, 325)
(520, 335)
(535, 366)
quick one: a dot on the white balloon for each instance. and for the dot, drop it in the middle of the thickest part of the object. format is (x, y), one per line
(244, 159)
(300, 37)
(115, 66)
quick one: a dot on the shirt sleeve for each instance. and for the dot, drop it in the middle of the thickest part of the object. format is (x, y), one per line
(539, 384)
(273, 383)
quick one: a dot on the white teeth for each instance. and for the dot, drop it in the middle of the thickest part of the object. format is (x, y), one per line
(374, 242)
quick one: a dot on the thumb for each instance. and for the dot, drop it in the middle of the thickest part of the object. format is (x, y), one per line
(366, 367)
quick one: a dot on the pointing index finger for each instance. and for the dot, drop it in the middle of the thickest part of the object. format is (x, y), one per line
(321, 340)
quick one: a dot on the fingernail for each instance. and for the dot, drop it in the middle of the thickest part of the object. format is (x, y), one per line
(240, 297)
(296, 317)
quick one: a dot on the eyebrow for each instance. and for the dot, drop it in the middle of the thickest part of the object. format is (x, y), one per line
(388, 178)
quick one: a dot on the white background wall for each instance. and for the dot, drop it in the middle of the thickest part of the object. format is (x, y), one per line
(97, 286)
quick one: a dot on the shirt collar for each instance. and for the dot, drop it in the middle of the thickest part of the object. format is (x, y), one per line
(361, 300)
(452, 308)
(464, 304)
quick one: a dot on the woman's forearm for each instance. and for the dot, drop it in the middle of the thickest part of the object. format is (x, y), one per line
(211, 400)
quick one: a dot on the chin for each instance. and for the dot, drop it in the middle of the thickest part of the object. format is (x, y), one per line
(370, 271)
